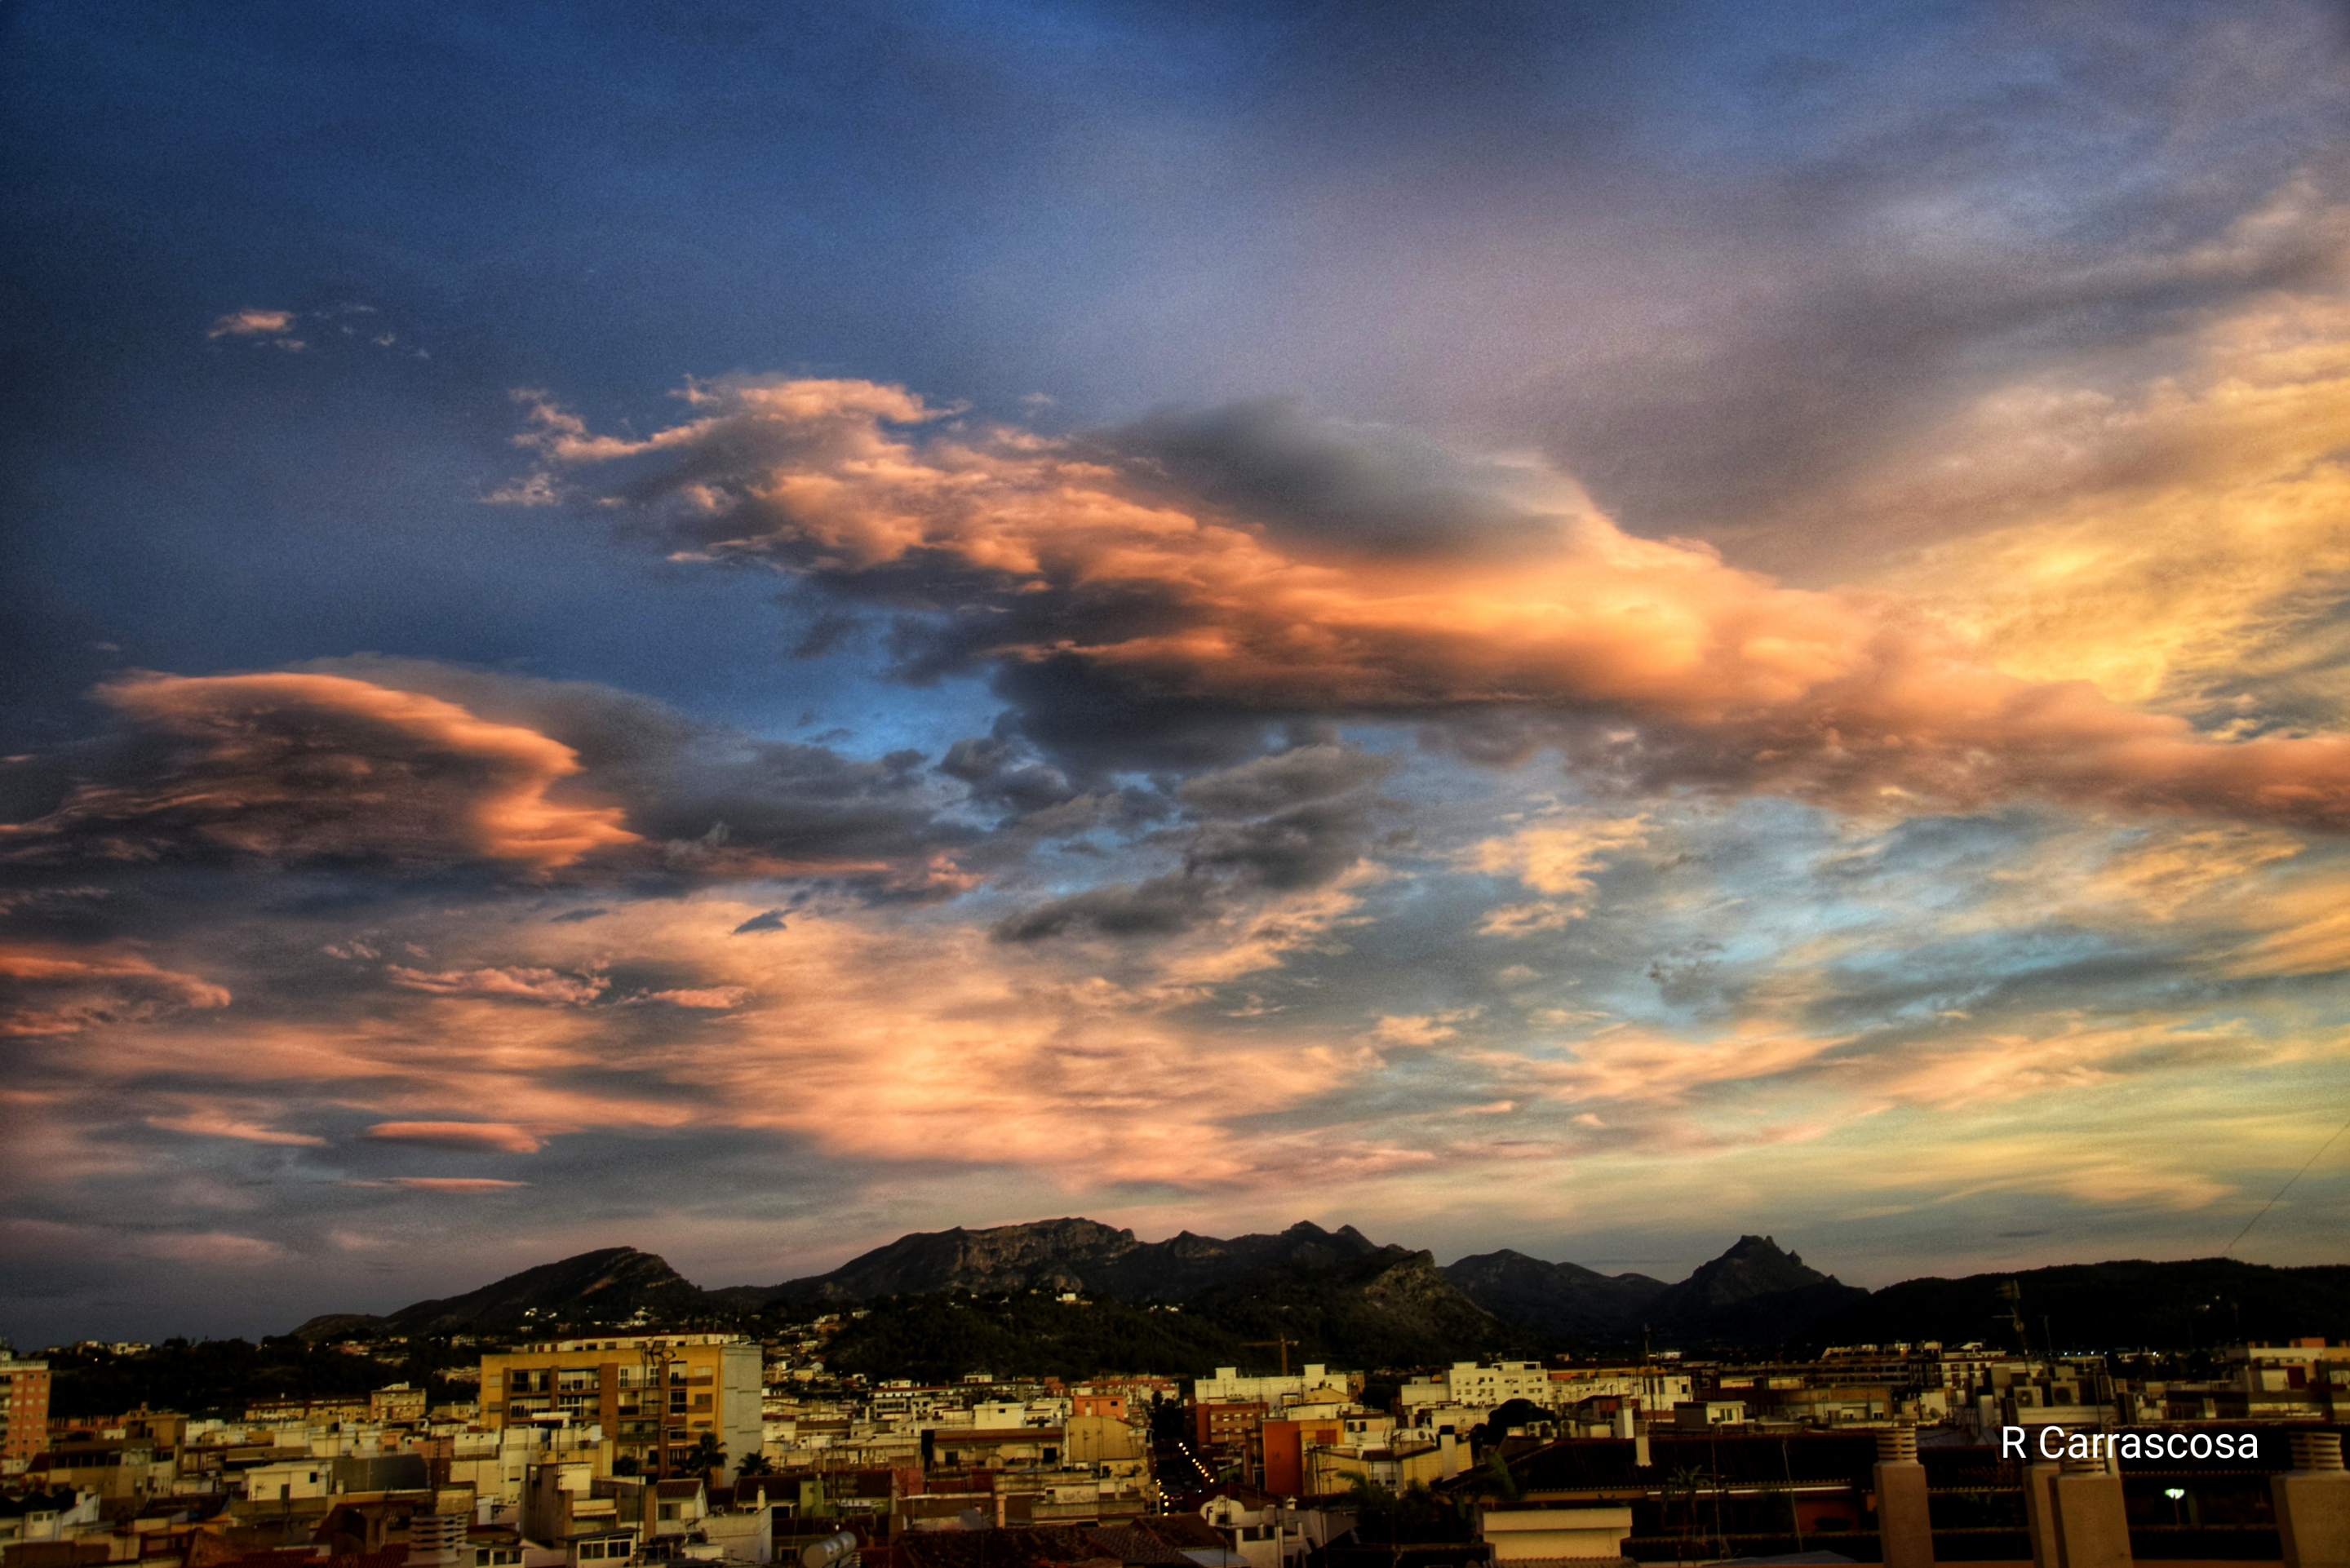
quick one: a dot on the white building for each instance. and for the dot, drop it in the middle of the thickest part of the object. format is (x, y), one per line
(41, 1519)
(1520, 1533)
(1650, 1387)
(1277, 1535)
(1482, 1387)
(1228, 1384)
(289, 1479)
(1703, 1413)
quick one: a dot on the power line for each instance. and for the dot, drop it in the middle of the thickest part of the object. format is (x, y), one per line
(2281, 1191)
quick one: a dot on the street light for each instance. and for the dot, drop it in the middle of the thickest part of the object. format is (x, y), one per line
(2174, 1493)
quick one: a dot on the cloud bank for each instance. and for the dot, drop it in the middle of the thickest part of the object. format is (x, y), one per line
(1652, 663)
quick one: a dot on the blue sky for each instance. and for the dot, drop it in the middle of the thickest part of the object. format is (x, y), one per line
(1582, 627)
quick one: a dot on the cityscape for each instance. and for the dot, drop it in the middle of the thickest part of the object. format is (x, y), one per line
(1174, 784)
(552, 1418)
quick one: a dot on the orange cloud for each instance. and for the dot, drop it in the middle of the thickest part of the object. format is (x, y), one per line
(250, 324)
(716, 998)
(504, 1136)
(1000, 1058)
(296, 766)
(212, 1121)
(530, 984)
(1714, 676)
(2180, 539)
(45, 991)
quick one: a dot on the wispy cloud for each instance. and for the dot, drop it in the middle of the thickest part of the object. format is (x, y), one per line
(504, 1136)
(250, 324)
(525, 984)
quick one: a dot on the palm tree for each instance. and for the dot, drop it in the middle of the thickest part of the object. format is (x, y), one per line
(707, 1456)
(1686, 1483)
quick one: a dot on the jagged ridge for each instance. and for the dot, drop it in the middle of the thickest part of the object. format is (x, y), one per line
(1338, 1296)
(1752, 1293)
(1061, 1255)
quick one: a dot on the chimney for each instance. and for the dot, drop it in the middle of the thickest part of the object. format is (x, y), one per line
(2313, 1503)
(2317, 1452)
(2040, 1514)
(2076, 1516)
(1903, 1523)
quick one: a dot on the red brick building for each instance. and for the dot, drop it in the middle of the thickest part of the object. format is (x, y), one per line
(24, 1408)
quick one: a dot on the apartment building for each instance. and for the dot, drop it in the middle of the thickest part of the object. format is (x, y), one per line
(1228, 1386)
(397, 1403)
(1467, 1382)
(1467, 1389)
(24, 1411)
(655, 1396)
(2302, 1380)
(1647, 1386)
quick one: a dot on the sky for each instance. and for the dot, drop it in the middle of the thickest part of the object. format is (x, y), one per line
(740, 629)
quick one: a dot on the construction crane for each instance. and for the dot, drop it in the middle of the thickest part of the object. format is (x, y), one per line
(2012, 1294)
(1281, 1342)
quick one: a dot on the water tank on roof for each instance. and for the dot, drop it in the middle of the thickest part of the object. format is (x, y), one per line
(836, 1551)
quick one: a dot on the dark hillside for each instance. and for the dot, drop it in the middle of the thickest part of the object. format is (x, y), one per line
(2181, 1306)
(1389, 1309)
(944, 1336)
(1554, 1302)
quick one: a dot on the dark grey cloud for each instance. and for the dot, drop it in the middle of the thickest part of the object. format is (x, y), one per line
(1095, 722)
(1302, 774)
(1291, 820)
(1006, 775)
(1271, 461)
(1162, 906)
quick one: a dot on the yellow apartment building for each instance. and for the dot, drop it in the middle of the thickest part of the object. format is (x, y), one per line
(653, 1394)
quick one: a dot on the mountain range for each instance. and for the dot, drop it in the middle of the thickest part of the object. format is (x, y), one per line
(963, 1298)
(1068, 1255)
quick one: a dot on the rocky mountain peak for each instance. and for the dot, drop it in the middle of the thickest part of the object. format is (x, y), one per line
(1753, 1266)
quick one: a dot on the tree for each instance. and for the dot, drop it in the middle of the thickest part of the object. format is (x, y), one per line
(1684, 1483)
(753, 1465)
(705, 1459)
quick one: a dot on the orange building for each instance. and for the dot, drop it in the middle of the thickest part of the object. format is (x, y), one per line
(24, 1408)
(1287, 1444)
